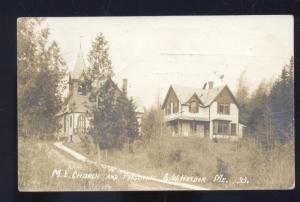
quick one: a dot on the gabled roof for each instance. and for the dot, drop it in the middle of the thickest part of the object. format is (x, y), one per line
(206, 96)
(184, 93)
(108, 81)
(79, 66)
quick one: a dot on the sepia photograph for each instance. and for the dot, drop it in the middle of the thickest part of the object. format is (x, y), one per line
(155, 103)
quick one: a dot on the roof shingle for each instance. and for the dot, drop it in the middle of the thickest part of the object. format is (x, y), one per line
(184, 93)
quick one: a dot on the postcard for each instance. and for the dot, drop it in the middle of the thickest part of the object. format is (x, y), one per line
(155, 103)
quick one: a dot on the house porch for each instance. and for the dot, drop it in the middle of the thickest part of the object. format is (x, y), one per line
(188, 128)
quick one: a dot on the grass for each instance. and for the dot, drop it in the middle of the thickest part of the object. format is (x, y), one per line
(239, 162)
(38, 159)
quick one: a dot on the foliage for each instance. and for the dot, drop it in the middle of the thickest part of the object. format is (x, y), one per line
(100, 66)
(269, 112)
(242, 97)
(282, 103)
(113, 119)
(152, 123)
(41, 70)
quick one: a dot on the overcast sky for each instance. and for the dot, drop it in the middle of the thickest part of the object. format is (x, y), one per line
(154, 52)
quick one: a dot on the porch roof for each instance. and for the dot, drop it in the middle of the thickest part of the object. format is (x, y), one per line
(187, 118)
(221, 119)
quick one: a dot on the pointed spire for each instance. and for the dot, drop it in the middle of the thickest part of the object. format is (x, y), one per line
(79, 64)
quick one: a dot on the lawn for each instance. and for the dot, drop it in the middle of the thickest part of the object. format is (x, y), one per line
(243, 164)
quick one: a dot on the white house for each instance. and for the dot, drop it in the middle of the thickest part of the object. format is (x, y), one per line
(209, 111)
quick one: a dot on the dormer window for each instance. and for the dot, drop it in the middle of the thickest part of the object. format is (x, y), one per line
(223, 108)
(194, 108)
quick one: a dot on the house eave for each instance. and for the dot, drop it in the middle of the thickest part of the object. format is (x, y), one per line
(187, 118)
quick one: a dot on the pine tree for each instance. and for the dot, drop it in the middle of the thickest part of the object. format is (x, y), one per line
(282, 103)
(242, 96)
(133, 125)
(114, 120)
(102, 121)
(100, 66)
(39, 100)
(259, 119)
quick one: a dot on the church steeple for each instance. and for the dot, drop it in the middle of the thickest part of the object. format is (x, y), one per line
(79, 65)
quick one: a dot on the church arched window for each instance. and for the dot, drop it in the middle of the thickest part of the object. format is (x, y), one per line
(81, 125)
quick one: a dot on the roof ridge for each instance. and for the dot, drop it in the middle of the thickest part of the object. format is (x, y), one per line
(200, 88)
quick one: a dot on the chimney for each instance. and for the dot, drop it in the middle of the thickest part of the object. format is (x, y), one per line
(210, 84)
(124, 88)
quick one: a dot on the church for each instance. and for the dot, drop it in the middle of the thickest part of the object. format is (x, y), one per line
(73, 115)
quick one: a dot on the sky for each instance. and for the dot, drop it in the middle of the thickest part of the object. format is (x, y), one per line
(155, 52)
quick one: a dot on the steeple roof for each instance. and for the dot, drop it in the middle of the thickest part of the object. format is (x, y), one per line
(79, 66)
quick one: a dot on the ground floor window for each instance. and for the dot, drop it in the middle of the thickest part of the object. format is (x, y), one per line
(81, 123)
(193, 127)
(221, 127)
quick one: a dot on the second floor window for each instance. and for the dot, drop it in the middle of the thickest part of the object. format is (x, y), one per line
(175, 107)
(193, 107)
(223, 108)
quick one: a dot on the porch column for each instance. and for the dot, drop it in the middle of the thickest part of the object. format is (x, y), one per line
(179, 122)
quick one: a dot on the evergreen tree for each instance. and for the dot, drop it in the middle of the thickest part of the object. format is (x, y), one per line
(133, 125)
(242, 96)
(100, 66)
(260, 115)
(39, 100)
(114, 120)
(271, 109)
(103, 118)
(282, 103)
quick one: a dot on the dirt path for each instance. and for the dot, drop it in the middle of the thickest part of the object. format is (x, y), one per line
(136, 181)
(64, 160)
